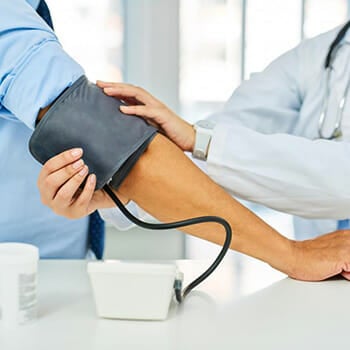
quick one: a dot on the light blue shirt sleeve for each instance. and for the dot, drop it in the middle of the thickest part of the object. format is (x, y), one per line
(33, 3)
(34, 68)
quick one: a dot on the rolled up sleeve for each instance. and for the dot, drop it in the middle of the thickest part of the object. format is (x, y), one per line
(35, 69)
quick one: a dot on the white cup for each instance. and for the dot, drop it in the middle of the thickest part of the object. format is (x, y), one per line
(18, 283)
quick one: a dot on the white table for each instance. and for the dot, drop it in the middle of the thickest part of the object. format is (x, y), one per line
(223, 314)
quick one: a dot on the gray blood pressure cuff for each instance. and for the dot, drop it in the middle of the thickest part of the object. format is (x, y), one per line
(83, 116)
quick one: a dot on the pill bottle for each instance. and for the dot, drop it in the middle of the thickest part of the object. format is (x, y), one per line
(18, 283)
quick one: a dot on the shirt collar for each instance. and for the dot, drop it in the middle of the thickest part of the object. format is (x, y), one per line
(33, 3)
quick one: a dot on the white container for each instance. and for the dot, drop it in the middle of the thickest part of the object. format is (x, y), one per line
(18, 283)
(130, 290)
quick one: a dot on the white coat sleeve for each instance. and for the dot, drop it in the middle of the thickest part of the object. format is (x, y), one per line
(269, 101)
(254, 154)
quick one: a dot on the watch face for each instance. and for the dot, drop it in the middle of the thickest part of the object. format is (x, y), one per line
(199, 155)
(206, 124)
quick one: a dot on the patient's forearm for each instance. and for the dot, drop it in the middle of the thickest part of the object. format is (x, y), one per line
(170, 187)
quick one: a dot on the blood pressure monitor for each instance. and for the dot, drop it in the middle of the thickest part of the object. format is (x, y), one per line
(83, 116)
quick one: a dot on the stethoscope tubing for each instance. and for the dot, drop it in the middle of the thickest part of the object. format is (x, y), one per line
(330, 58)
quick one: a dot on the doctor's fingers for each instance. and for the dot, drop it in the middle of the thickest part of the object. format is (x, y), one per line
(128, 100)
(154, 115)
(83, 203)
(128, 91)
(49, 184)
(60, 161)
(71, 201)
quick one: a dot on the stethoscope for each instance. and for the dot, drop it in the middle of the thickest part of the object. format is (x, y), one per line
(330, 58)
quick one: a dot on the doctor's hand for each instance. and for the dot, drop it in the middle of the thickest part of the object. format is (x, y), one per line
(59, 182)
(323, 257)
(144, 105)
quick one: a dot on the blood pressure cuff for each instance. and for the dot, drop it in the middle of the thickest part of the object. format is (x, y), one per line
(83, 116)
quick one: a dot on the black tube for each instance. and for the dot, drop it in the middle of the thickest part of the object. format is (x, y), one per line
(178, 224)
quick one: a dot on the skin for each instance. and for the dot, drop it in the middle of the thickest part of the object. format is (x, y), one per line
(165, 183)
(144, 105)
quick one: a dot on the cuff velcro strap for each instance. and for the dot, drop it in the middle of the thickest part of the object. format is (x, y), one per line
(83, 116)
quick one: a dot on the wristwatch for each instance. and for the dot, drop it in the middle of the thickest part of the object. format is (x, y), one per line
(204, 132)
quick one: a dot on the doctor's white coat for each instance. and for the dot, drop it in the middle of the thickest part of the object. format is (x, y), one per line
(265, 147)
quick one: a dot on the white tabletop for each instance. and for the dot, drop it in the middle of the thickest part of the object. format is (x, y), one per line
(232, 310)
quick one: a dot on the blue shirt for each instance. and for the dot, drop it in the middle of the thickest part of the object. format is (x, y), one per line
(34, 70)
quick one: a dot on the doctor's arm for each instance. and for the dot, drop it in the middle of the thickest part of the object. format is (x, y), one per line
(269, 102)
(253, 153)
(256, 154)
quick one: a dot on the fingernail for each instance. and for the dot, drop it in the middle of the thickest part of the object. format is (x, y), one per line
(76, 152)
(92, 179)
(124, 108)
(108, 89)
(78, 164)
(83, 171)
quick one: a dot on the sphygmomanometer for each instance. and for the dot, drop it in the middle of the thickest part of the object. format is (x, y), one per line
(83, 116)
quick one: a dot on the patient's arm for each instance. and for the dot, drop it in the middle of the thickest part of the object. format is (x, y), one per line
(169, 186)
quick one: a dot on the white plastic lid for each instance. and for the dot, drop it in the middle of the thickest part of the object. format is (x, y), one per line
(18, 253)
(117, 266)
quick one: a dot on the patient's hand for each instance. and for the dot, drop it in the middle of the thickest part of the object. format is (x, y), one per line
(144, 105)
(322, 257)
(59, 182)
